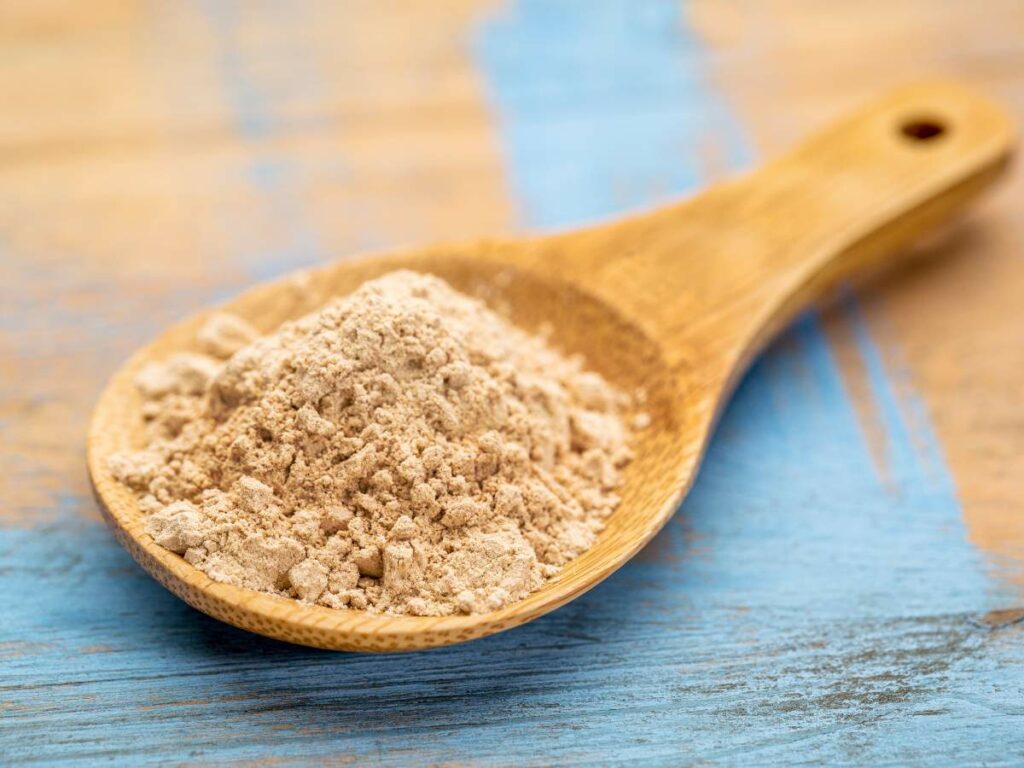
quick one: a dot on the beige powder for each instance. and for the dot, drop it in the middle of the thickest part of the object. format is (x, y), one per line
(403, 450)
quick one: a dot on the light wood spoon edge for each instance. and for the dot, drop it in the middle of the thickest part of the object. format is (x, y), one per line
(749, 290)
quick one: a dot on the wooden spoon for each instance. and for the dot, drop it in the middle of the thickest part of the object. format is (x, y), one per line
(676, 302)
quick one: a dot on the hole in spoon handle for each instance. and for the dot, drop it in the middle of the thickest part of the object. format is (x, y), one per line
(859, 191)
(923, 129)
(718, 274)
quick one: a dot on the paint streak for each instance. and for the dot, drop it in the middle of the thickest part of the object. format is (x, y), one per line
(621, 125)
(421, 161)
(256, 95)
(858, 384)
(345, 154)
(913, 456)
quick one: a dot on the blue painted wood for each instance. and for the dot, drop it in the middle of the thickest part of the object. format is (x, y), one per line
(797, 610)
(271, 173)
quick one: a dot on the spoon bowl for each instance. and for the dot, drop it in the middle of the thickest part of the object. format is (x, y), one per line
(672, 304)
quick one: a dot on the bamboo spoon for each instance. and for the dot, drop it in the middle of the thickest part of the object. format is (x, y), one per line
(676, 301)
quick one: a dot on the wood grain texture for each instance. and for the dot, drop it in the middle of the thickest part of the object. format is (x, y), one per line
(823, 596)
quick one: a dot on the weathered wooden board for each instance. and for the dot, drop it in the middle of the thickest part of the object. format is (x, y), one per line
(841, 587)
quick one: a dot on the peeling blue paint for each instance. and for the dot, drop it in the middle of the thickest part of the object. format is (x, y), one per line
(795, 609)
(913, 452)
(602, 106)
(100, 664)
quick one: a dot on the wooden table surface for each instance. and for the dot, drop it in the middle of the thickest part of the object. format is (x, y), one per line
(844, 585)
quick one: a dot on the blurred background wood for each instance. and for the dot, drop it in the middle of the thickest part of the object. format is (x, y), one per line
(844, 584)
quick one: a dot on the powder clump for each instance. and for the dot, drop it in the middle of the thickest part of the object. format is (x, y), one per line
(402, 450)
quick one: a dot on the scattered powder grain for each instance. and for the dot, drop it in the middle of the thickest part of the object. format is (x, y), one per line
(402, 450)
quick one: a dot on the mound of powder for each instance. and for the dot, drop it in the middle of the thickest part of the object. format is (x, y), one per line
(402, 450)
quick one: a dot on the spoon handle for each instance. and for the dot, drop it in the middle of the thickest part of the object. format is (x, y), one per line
(713, 277)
